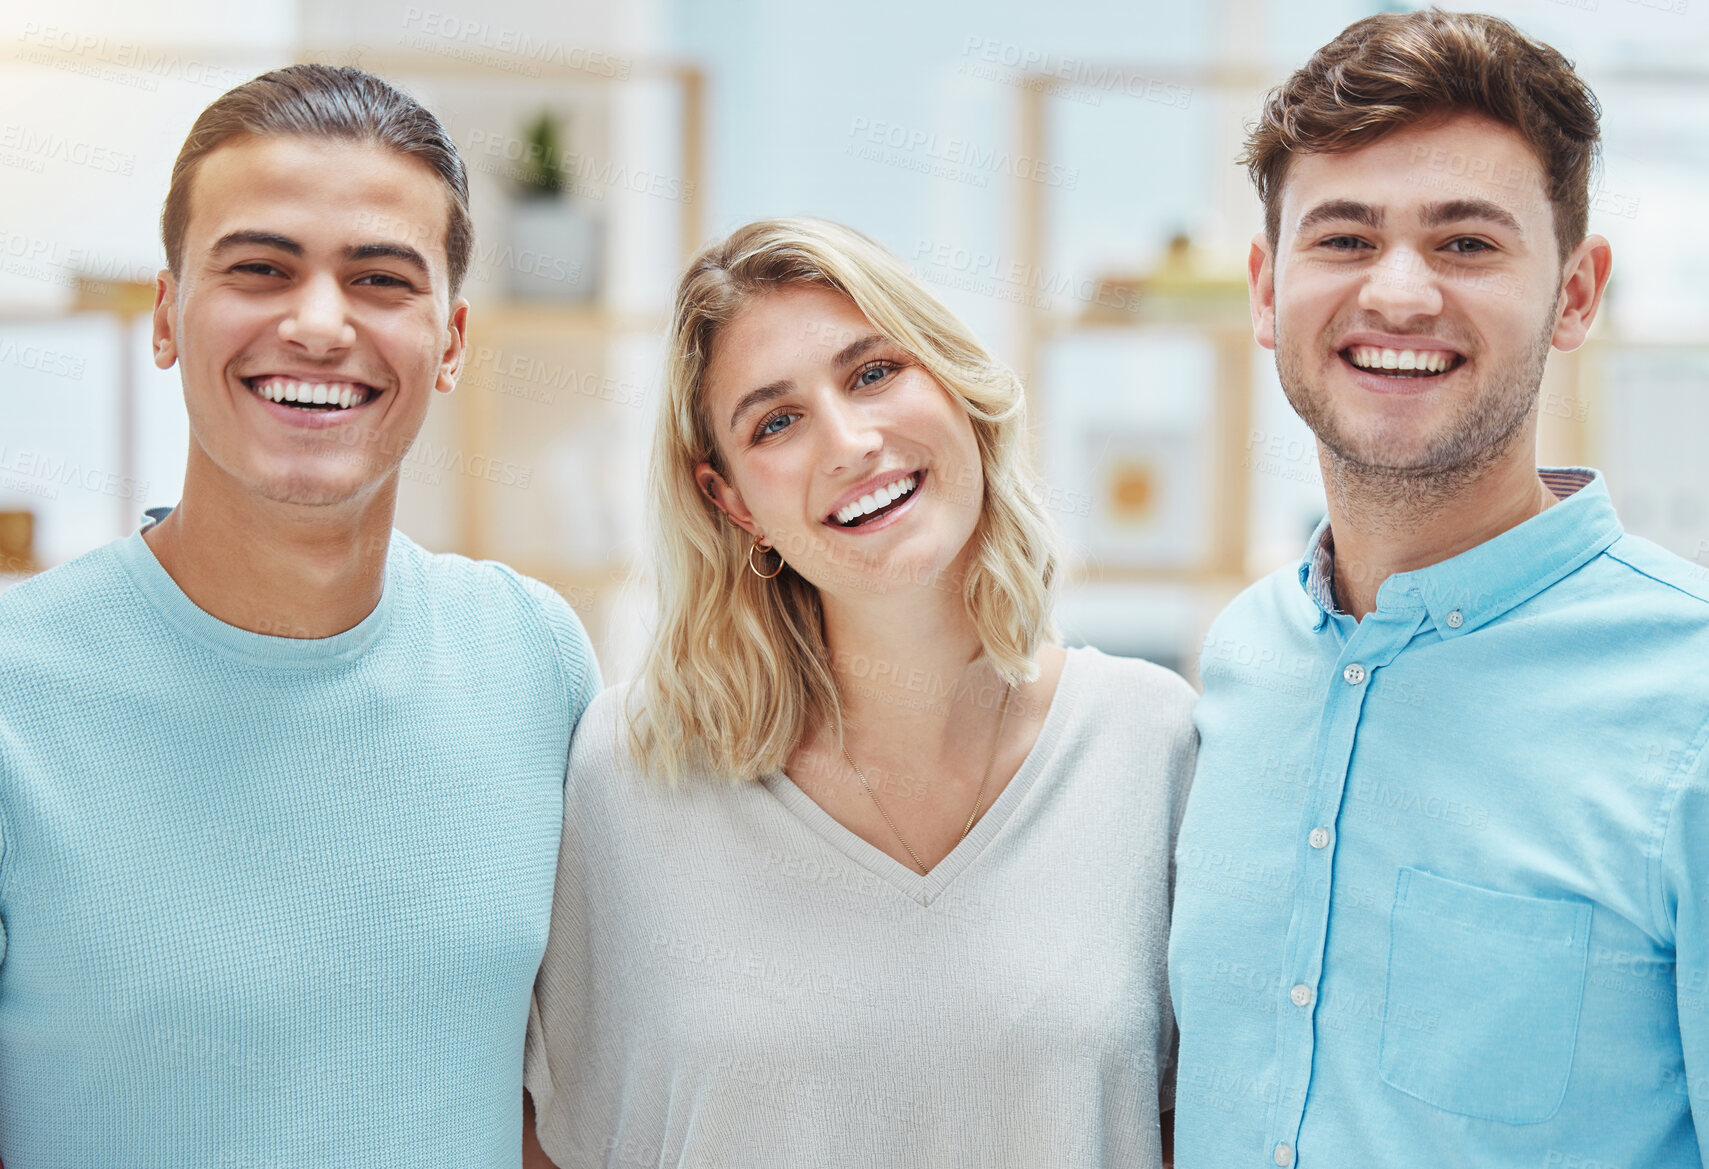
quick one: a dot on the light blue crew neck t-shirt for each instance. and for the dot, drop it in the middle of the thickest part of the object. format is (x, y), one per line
(1442, 892)
(274, 902)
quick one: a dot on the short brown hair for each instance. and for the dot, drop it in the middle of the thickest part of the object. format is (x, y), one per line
(1399, 69)
(323, 101)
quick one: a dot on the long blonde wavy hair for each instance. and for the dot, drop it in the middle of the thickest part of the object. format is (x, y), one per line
(737, 670)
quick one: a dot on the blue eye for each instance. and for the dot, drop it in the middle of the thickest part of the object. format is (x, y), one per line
(881, 368)
(770, 425)
(1479, 246)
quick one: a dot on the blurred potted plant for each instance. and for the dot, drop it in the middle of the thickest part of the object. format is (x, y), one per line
(554, 234)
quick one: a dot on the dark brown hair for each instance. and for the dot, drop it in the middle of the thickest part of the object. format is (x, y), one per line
(1400, 69)
(323, 101)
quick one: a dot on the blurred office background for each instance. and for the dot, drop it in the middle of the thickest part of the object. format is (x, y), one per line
(1061, 174)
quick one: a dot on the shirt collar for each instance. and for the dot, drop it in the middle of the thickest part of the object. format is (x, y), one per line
(1481, 583)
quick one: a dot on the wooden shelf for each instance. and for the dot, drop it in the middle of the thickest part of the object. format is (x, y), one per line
(1213, 306)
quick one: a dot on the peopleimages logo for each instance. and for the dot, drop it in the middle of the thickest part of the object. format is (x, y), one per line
(974, 160)
(59, 148)
(1082, 79)
(52, 472)
(430, 27)
(112, 59)
(582, 173)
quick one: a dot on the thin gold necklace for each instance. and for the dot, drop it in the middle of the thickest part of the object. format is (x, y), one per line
(977, 799)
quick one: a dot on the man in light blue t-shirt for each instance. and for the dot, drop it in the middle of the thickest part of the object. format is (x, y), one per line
(280, 792)
(1443, 876)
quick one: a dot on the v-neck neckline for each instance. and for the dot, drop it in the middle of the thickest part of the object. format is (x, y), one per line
(926, 887)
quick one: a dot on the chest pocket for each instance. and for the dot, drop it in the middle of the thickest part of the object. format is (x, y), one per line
(1502, 977)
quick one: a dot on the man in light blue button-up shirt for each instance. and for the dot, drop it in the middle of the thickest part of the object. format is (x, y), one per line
(1440, 896)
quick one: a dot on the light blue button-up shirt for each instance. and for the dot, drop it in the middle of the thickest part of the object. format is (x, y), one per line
(1443, 879)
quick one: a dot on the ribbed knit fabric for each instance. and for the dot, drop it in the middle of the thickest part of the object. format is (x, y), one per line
(273, 902)
(735, 981)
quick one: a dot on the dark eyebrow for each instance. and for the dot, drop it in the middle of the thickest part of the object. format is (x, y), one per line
(855, 350)
(264, 239)
(1342, 211)
(284, 243)
(1455, 210)
(387, 251)
(756, 397)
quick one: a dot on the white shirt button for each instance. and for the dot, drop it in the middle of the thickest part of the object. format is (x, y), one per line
(1284, 1154)
(1455, 618)
(1319, 837)
(1301, 994)
(1354, 673)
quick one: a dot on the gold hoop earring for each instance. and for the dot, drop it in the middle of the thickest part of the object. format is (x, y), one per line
(759, 547)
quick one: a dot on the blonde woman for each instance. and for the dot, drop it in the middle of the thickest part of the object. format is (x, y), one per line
(864, 870)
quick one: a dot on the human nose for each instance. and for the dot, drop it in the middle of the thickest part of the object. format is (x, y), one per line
(851, 432)
(1400, 286)
(318, 320)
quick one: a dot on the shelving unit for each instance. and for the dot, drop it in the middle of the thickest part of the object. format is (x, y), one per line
(1213, 311)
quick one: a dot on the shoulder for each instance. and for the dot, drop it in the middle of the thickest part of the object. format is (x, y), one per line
(603, 769)
(1108, 679)
(601, 742)
(1134, 726)
(1272, 600)
(1674, 578)
(74, 612)
(1125, 699)
(46, 599)
(602, 736)
(503, 602)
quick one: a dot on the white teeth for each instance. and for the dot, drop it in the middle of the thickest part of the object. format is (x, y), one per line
(1428, 360)
(342, 395)
(881, 497)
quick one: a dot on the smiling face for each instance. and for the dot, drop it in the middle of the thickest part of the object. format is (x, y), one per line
(312, 318)
(1413, 295)
(837, 447)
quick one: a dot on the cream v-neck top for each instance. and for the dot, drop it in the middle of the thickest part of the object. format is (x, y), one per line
(735, 981)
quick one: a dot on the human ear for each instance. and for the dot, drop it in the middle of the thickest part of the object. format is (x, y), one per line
(1261, 290)
(1583, 280)
(165, 332)
(451, 360)
(725, 498)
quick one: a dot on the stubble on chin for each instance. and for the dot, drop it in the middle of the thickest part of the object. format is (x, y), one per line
(1414, 472)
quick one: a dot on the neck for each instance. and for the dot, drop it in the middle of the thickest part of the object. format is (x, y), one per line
(901, 661)
(1384, 522)
(283, 569)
